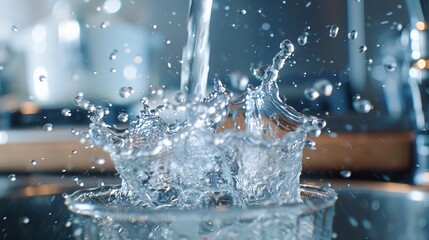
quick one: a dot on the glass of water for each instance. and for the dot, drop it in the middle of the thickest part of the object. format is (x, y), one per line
(101, 214)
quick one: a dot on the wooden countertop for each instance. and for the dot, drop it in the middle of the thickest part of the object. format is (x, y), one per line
(59, 150)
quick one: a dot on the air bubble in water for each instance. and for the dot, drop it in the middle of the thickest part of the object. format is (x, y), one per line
(123, 117)
(311, 94)
(302, 40)
(14, 28)
(324, 87)
(333, 31)
(363, 48)
(33, 162)
(42, 78)
(352, 35)
(48, 127)
(66, 112)
(113, 70)
(362, 105)
(167, 41)
(390, 67)
(113, 55)
(242, 11)
(12, 177)
(125, 92)
(346, 173)
(73, 151)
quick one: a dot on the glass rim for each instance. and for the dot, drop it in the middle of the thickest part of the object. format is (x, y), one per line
(314, 199)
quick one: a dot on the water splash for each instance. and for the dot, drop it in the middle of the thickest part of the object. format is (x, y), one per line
(196, 161)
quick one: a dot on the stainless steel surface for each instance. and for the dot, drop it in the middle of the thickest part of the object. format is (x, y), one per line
(371, 210)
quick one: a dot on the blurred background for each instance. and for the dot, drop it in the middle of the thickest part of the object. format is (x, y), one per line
(52, 50)
(367, 58)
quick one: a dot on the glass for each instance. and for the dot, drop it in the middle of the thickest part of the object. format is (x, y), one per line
(96, 216)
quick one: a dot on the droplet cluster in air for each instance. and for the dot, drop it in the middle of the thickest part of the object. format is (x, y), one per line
(320, 87)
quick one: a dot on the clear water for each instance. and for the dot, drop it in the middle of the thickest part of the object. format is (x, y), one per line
(201, 151)
(208, 151)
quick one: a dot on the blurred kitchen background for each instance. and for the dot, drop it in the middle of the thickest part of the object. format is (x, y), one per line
(372, 53)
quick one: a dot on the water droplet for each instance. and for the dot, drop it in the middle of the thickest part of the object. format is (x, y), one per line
(310, 144)
(105, 24)
(287, 46)
(25, 220)
(12, 177)
(66, 112)
(167, 41)
(242, 11)
(14, 28)
(352, 35)
(353, 222)
(123, 117)
(346, 173)
(68, 224)
(324, 87)
(363, 48)
(302, 40)
(356, 97)
(33, 162)
(48, 127)
(308, 4)
(75, 178)
(113, 70)
(99, 112)
(154, 26)
(390, 67)
(113, 55)
(125, 92)
(311, 94)
(42, 78)
(99, 160)
(73, 151)
(369, 61)
(362, 106)
(333, 31)
(266, 26)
